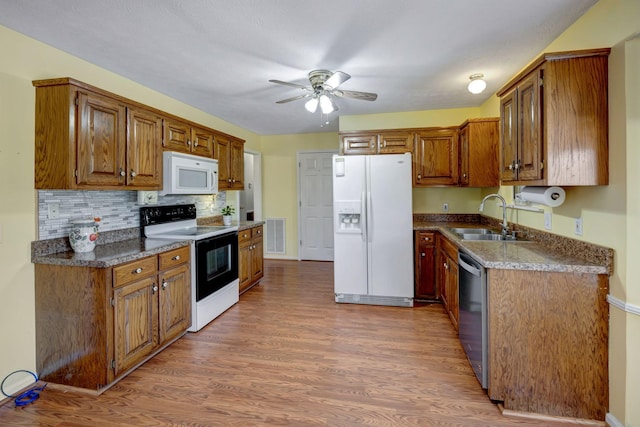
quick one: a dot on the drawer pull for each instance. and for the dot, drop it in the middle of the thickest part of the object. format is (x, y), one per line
(137, 270)
(176, 258)
(164, 284)
(427, 239)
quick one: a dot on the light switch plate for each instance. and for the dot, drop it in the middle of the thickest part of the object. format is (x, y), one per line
(547, 220)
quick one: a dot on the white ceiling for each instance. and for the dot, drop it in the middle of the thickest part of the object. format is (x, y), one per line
(218, 55)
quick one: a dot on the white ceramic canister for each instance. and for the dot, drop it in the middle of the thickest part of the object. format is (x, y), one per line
(83, 235)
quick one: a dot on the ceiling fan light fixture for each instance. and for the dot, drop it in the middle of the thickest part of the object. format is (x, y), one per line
(326, 104)
(311, 105)
(477, 84)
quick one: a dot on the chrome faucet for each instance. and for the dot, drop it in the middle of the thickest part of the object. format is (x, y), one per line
(505, 226)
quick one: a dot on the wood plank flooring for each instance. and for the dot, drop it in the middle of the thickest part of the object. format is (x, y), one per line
(287, 355)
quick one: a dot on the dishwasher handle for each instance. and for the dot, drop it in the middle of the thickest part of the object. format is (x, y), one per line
(468, 264)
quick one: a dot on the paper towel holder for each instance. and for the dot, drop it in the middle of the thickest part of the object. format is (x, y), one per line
(555, 196)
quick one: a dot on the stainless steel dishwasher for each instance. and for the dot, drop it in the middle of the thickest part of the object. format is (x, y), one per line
(472, 327)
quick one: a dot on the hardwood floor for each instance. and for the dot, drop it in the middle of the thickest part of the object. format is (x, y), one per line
(287, 355)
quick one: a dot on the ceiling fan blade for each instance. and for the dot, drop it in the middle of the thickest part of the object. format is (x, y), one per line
(336, 80)
(280, 82)
(365, 96)
(294, 98)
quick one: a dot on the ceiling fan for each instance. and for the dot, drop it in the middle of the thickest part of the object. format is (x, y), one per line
(324, 85)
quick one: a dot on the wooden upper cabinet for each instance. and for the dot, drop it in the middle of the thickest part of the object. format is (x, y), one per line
(101, 141)
(183, 137)
(88, 139)
(478, 144)
(144, 153)
(230, 155)
(435, 157)
(554, 121)
(376, 142)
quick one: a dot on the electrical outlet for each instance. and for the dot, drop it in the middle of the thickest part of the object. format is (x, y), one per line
(578, 229)
(547, 220)
(445, 207)
(54, 210)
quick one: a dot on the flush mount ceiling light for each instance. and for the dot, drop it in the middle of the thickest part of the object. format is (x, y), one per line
(477, 84)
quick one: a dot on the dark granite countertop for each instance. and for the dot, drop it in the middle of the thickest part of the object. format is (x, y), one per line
(535, 253)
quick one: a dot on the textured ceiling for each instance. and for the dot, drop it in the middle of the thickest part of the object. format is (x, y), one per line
(219, 55)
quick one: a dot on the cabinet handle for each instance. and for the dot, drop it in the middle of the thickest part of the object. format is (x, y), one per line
(259, 231)
(195, 144)
(154, 288)
(133, 173)
(188, 143)
(517, 166)
(464, 175)
(373, 146)
(229, 180)
(176, 258)
(122, 173)
(419, 177)
(164, 284)
(244, 235)
(137, 270)
(446, 267)
(427, 238)
(233, 180)
(423, 254)
(511, 166)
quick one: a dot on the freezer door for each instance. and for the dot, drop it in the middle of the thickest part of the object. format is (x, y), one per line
(390, 225)
(350, 255)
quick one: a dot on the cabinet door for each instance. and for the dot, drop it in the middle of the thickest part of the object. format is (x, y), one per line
(101, 141)
(463, 137)
(236, 164)
(441, 278)
(244, 259)
(452, 290)
(144, 148)
(257, 262)
(136, 317)
(223, 150)
(176, 136)
(202, 142)
(395, 143)
(529, 131)
(425, 264)
(508, 137)
(174, 302)
(366, 143)
(436, 157)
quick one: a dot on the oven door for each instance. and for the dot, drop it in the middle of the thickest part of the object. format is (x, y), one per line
(216, 263)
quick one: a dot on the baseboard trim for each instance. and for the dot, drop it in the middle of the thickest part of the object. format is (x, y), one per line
(550, 418)
(613, 421)
(624, 306)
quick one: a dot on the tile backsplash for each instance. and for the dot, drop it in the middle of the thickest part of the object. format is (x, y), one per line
(116, 209)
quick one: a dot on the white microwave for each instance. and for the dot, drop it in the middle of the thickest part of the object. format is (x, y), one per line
(188, 174)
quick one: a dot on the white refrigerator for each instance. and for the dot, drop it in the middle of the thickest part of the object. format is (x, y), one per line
(373, 229)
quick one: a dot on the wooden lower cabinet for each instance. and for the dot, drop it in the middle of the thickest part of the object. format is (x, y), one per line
(447, 277)
(424, 265)
(250, 259)
(93, 325)
(548, 342)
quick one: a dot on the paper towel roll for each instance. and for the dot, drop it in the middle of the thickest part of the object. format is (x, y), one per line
(550, 196)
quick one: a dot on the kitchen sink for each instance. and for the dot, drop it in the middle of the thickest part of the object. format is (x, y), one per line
(493, 236)
(479, 231)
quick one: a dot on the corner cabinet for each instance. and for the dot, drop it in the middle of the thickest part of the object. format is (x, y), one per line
(86, 139)
(230, 155)
(435, 157)
(250, 257)
(478, 152)
(554, 121)
(94, 325)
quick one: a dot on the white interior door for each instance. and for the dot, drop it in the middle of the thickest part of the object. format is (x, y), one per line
(315, 202)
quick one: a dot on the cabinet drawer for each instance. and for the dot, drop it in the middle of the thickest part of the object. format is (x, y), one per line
(427, 237)
(256, 232)
(135, 270)
(175, 257)
(244, 236)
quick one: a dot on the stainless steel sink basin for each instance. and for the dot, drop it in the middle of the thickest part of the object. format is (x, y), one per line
(475, 236)
(480, 231)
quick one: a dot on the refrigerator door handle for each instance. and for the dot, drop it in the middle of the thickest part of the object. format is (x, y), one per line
(363, 221)
(369, 217)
